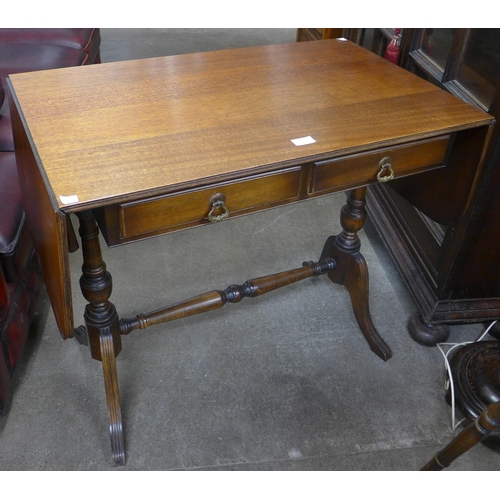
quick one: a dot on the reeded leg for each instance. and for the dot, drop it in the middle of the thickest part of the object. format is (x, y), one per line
(112, 397)
(103, 330)
(488, 421)
(352, 271)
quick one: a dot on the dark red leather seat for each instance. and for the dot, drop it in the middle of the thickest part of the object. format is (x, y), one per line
(86, 39)
(23, 50)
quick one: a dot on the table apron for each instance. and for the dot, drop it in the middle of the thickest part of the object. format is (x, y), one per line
(151, 216)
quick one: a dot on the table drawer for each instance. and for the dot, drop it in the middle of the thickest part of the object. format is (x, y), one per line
(354, 170)
(191, 207)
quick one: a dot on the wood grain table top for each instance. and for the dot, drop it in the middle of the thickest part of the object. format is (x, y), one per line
(115, 132)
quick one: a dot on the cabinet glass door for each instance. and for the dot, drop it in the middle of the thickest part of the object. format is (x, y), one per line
(436, 45)
(479, 73)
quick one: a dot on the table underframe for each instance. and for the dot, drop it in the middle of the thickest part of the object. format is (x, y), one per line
(340, 260)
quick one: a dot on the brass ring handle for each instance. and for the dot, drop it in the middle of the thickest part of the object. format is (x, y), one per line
(385, 164)
(217, 202)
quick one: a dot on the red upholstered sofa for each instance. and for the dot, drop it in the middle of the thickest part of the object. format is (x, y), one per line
(23, 50)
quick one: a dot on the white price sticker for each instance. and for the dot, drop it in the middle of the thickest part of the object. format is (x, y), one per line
(69, 199)
(302, 141)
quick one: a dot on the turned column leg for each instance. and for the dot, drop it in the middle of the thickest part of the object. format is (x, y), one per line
(487, 422)
(352, 271)
(102, 325)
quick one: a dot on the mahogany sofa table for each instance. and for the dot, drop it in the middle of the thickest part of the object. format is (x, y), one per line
(141, 148)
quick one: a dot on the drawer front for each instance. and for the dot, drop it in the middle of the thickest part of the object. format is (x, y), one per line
(361, 169)
(190, 208)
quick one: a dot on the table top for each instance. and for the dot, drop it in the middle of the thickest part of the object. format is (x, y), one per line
(113, 132)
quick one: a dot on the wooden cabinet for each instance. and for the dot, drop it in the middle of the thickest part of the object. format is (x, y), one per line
(309, 34)
(446, 246)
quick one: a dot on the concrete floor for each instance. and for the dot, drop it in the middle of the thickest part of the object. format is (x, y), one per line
(283, 382)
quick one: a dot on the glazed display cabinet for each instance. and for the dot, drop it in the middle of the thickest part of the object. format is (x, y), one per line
(444, 238)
